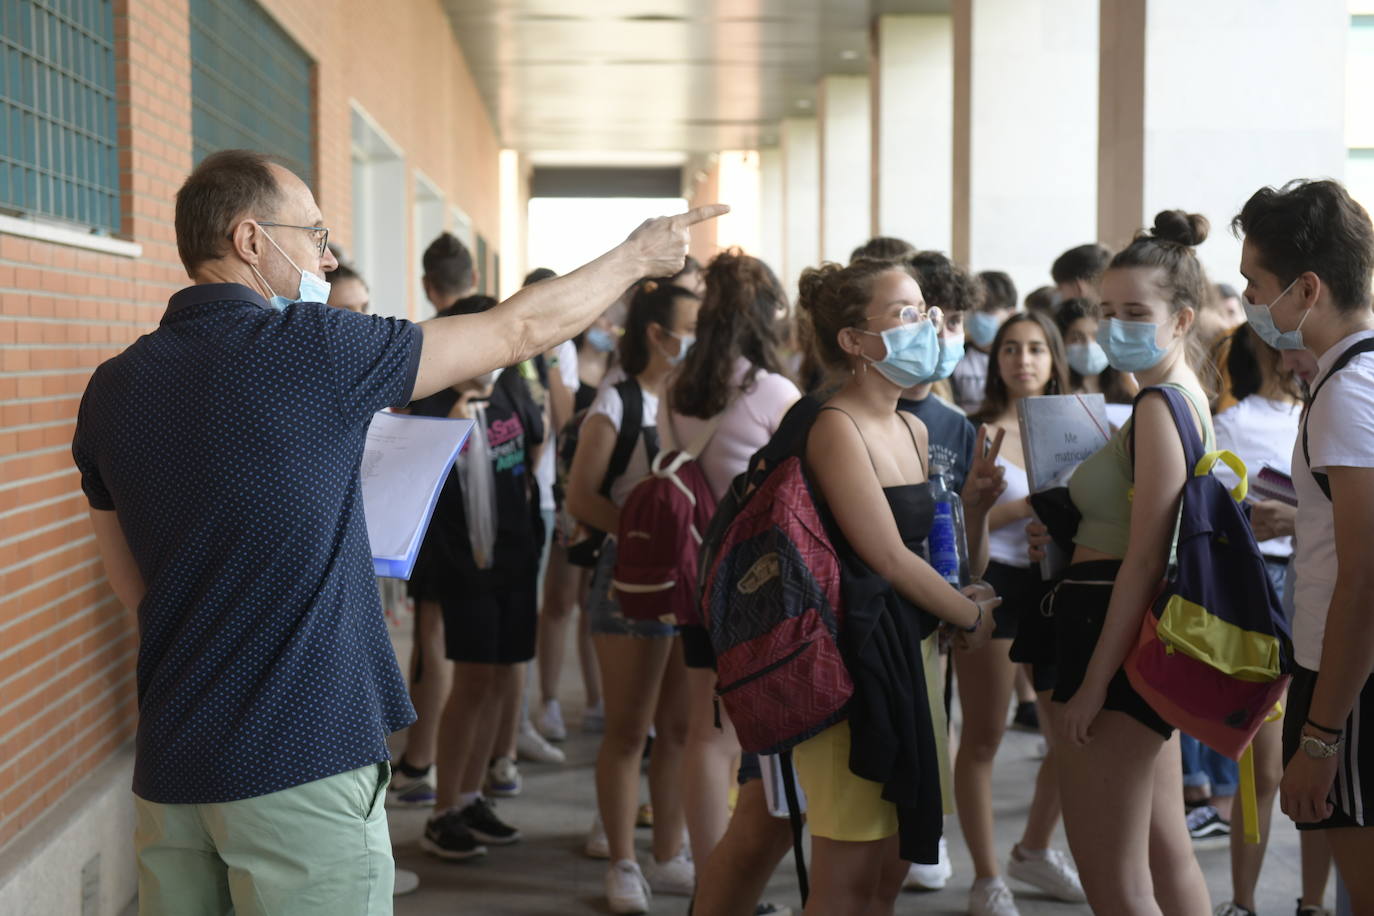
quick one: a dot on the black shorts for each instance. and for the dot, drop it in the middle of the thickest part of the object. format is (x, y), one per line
(492, 627)
(1079, 604)
(1020, 589)
(1034, 643)
(697, 650)
(1352, 796)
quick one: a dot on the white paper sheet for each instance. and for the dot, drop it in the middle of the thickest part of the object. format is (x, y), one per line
(405, 463)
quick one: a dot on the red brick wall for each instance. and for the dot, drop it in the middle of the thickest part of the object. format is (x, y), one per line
(67, 649)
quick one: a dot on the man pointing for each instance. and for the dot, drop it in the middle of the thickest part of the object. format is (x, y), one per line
(220, 456)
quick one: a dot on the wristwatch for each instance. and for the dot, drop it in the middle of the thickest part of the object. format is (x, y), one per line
(1313, 746)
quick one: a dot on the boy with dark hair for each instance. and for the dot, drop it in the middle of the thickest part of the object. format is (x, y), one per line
(1307, 256)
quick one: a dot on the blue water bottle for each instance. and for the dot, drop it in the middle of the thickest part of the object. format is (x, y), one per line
(947, 546)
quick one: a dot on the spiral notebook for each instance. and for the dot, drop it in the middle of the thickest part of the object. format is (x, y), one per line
(405, 463)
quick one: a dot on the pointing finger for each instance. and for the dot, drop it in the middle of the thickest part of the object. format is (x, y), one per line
(700, 214)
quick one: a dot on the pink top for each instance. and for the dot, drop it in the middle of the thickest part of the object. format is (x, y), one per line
(749, 422)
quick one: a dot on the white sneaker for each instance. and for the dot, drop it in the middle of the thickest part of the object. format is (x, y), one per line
(549, 722)
(626, 889)
(530, 745)
(594, 719)
(930, 877)
(407, 882)
(990, 897)
(503, 778)
(597, 846)
(410, 791)
(677, 876)
(1054, 874)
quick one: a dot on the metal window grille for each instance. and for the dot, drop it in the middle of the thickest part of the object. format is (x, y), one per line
(58, 155)
(250, 85)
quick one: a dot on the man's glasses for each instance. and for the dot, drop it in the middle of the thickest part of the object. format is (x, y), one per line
(321, 233)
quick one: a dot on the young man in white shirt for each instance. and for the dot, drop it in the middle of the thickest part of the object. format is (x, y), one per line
(1307, 258)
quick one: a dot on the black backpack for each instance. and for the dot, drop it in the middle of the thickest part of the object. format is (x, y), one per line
(1364, 346)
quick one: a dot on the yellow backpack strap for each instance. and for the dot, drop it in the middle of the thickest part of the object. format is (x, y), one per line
(1249, 801)
(1231, 460)
(1249, 798)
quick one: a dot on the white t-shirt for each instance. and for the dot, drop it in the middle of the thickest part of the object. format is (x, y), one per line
(747, 425)
(970, 380)
(1007, 545)
(565, 359)
(1340, 432)
(609, 405)
(1261, 432)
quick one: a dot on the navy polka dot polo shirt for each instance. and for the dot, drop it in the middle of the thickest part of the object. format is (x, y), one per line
(228, 442)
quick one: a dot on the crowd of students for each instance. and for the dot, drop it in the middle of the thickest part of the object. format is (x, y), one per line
(918, 366)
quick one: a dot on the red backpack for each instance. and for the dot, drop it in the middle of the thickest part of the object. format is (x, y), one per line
(771, 600)
(659, 541)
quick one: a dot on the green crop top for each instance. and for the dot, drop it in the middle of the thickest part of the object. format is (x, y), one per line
(1101, 487)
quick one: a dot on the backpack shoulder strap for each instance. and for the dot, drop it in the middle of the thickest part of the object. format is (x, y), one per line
(1193, 448)
(1364, 346)
(631, 423)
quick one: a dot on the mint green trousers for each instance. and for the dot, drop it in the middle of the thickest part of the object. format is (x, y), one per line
(318, 849)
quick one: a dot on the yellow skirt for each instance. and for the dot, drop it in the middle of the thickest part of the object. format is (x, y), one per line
(842, 806)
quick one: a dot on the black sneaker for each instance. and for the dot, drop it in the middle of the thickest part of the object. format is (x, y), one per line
(447, 837)
(1205, 823)
(1027, 718)
(482, 822)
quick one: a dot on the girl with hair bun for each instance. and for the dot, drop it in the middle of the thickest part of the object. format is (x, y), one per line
(1119, 765)
(868, 465)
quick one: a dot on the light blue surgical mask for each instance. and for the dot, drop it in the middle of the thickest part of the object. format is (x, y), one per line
(312, 288)
(982, 328)
(602, 341)
(1261, 318)
(685, 342)
(951, 351)
(1131, 346)
(913, 352)
(1087, 358)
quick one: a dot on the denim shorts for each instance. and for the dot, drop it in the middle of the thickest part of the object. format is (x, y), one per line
(603, 608)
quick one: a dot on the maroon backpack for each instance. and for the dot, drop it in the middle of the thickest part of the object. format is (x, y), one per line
(661, 526)
(771, 601)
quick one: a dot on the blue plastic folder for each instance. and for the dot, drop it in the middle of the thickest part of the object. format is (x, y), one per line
(405, 463)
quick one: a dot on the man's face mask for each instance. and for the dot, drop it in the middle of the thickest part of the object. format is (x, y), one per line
(311, 287)
(1261, 318)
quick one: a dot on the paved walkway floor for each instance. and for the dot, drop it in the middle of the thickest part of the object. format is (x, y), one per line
(548, 874)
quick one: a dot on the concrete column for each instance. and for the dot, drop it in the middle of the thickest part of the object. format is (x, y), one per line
(1025, 133)
(801, 201)
(846, 165)
(1186, 123)
(913, 129)
(771, 233)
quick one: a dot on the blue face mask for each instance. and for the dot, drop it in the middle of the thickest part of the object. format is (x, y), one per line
(1131, 346)
(913, 352)
(685, 342)
(1087, 358)
(312, 288)
(982, 328)
(951, 351)
(1261, 318)
(602, 341)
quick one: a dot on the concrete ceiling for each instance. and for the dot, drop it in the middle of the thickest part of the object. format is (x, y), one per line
(657, 77)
